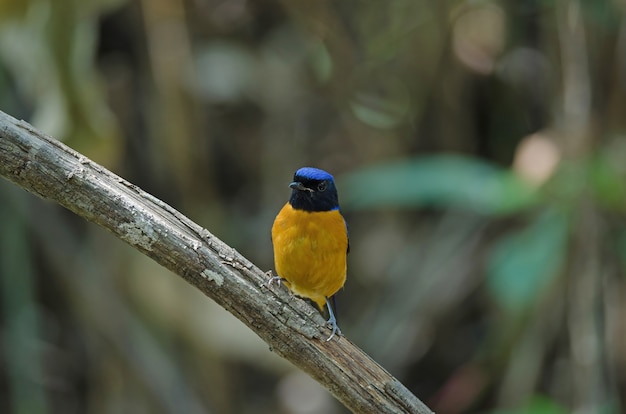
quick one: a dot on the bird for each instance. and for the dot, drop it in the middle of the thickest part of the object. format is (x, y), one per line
(311, 242)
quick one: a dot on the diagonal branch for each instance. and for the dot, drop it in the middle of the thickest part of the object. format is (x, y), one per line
(292, 328)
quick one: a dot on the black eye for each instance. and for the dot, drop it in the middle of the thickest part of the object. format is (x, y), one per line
(321, 186)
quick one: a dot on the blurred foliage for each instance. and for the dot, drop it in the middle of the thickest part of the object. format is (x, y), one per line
(478, 149)
(524, 263)
(537, 405)
(442, 181)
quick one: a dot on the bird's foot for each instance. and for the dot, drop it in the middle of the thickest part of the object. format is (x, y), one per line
(334, 327)
(273, 279)
(332, 321)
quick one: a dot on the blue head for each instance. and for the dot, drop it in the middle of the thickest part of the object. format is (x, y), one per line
(313, 190)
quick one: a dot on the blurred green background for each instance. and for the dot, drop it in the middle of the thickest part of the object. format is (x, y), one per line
(479, 149)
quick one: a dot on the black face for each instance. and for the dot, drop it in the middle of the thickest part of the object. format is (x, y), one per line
(311, 194)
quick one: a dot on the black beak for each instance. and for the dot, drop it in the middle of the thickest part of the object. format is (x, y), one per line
(297, 185)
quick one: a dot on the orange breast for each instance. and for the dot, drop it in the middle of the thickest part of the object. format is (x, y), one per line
(310, 251)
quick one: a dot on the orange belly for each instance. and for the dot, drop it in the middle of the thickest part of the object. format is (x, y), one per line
(310, 251)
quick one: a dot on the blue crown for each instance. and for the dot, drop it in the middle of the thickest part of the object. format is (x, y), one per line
(311, 173)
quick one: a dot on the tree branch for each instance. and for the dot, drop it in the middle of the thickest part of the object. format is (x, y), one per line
(292, 328)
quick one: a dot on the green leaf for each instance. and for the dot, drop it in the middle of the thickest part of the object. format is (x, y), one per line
(438, 181)
(537, 405)
(381, 103)
(523, 264)
(608, 183)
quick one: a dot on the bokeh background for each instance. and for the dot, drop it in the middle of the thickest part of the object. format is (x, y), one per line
(480, 153)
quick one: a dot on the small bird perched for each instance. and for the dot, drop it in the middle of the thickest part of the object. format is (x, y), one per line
(310, 239)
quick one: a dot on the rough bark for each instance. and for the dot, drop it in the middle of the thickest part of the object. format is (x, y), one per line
(292, 328)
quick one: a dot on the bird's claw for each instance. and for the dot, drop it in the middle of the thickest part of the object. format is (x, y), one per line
(334, 327)
(273, 279)
(332, 320)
